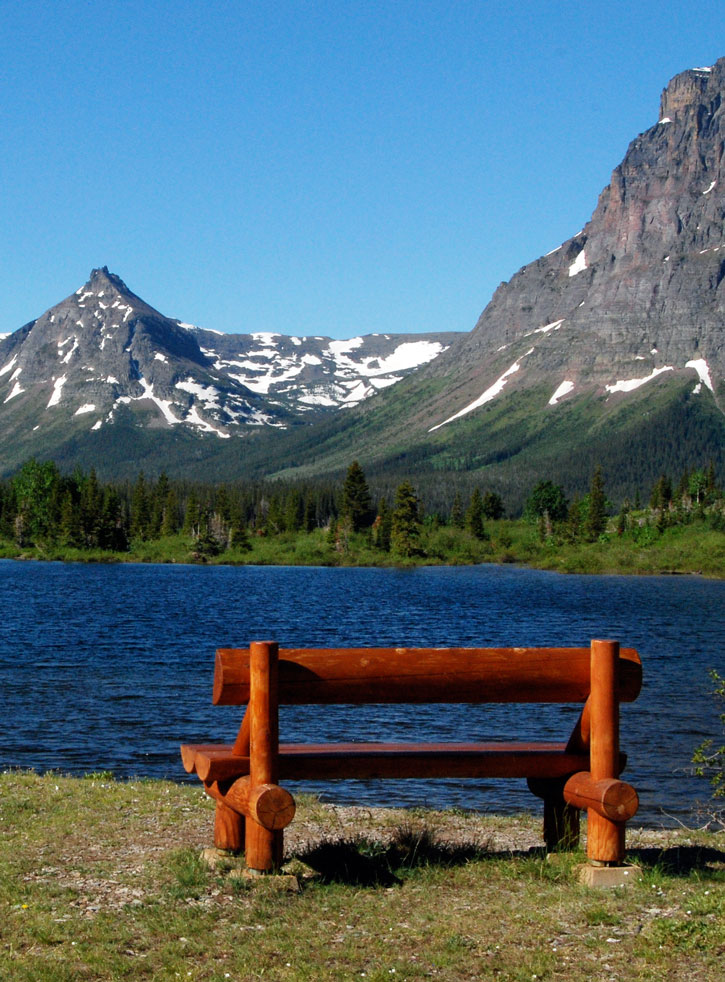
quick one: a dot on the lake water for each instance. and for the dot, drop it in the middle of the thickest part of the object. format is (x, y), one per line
(110, 667)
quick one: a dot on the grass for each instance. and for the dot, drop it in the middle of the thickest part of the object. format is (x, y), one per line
(103, 880)
(694, 548)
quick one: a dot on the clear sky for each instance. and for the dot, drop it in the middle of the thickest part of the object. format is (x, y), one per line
(317, 167)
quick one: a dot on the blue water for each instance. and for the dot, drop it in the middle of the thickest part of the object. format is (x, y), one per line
(110, 667)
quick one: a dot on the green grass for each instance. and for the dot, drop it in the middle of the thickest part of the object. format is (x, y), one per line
(694, 548)
(102, 880)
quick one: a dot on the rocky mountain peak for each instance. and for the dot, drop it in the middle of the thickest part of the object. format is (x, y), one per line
(637, 298)
(694, 89)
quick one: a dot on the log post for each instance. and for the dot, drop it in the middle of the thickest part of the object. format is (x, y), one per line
(561, 820)
(228, 828)
(605, 838)
(263, 846)
(241, 744)
(269, 805)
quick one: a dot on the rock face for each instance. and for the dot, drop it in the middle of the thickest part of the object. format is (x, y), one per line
(104, 352)
(638, 294)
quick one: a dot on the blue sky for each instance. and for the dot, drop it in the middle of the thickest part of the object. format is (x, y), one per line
(317, 167)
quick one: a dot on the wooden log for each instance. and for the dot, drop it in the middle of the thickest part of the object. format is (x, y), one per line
(580, 735)
(241, 744)
(189, 752)
(269, 805)
(605, 838)
(214, 761)
(334, 761)
(228, 828)
(609, 797)
(561, 820)
(263, 847)
(415, 675)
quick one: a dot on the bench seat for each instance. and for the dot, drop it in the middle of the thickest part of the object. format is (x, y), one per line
(331, 761)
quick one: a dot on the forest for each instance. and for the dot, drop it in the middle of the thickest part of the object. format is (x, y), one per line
(47, 514)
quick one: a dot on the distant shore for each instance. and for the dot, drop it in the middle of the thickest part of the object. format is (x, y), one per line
(695, 549)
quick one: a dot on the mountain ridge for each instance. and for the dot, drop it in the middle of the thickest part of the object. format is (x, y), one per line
(609, 349)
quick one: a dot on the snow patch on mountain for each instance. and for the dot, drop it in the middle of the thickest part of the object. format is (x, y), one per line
(491, 392)
(57, 391)
(579, 264)
(562, 390)
(703, 371)
(629, 385)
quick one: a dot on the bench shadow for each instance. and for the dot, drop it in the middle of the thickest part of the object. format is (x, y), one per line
(679, 860)
(369, 862)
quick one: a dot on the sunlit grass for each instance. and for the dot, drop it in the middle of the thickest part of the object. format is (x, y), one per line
(103, 880)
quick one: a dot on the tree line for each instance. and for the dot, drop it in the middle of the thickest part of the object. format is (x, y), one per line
(41, 506)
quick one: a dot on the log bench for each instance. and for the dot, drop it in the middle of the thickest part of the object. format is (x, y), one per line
(583, 772)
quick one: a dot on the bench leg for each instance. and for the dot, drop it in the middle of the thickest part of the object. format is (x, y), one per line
(605, 838)
(228, 828)
(263, 847)
(561, 820)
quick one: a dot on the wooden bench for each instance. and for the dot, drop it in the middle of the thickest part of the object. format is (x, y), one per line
(252, 809)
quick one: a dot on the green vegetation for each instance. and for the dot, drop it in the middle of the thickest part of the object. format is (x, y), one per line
(45, 514)
(709, 759)
(103, 880)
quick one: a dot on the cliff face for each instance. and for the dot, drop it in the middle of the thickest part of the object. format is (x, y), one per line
(639, 292)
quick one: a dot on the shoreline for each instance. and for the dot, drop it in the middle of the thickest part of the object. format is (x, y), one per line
(113, 559)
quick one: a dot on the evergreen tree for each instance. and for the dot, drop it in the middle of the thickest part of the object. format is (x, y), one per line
(661, 492)
(310, 519)
(157, 505)
(474, 516)
(69, 530)
(698, 486)
(275, 516)
(547, 499)
(492, 506)
(574, 521)
(596, 520)
(140, 510)
(356, 501)
(170, 514)
(382, 526)
(35, 492)
(405, 521)
(293, 513)
(113, 529)
(457, 518)
(91, 503)
(192, 516)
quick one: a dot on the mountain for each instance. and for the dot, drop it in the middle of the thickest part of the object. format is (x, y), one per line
(607, 350)
(103, 374)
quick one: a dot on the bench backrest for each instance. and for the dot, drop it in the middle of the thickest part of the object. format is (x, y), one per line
(420, 675)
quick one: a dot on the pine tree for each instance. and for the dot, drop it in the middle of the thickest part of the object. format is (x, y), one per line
(457, 518)
(547, 499)
(91, 503)
(310, 519)
(69, 531)
(140, 510)
(405, 521)
(356, 501)
(293, 513)
(596, 520)
(493, 506)
(170, 515)
(474, 516)
(192, 517)
(382, 526)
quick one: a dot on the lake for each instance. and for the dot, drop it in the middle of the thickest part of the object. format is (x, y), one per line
(109, 667)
